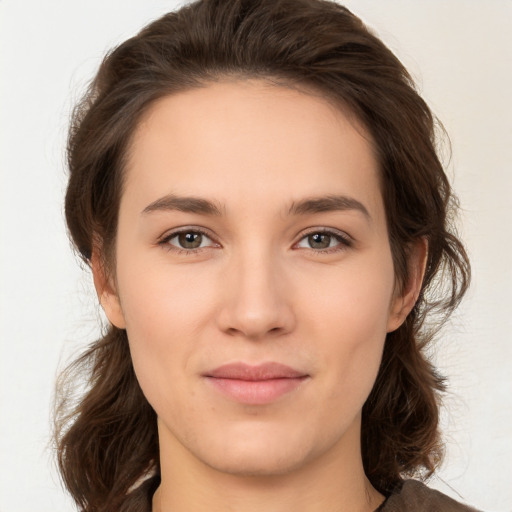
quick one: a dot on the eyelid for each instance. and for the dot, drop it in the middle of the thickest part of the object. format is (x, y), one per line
(164, 239)
(346, 241)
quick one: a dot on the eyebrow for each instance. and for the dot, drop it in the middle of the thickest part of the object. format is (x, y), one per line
(201, 206)
(327, 204)
(188, 204)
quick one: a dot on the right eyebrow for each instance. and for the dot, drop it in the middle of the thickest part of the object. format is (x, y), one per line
(328, 204)
(188, 204)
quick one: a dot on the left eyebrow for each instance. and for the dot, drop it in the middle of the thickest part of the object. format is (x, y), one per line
(328, 204)
(187, 204)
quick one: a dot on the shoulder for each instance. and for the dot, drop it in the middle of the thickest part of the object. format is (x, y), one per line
(417, 497)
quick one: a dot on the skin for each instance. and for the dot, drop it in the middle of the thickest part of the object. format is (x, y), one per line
(257, 289)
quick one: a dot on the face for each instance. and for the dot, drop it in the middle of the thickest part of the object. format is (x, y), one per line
(254, 275)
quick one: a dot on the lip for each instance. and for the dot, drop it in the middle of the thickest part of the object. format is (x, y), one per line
(255, 384)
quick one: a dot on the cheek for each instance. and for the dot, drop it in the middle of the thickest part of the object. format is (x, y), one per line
(353, 302)
(164, 311)
(158, 299)
(349, 317)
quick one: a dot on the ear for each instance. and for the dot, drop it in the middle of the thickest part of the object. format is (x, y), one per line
(405, 299)
(106, 291)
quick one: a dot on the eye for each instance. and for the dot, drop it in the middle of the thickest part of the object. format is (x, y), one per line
(187, 240)
(324, 241)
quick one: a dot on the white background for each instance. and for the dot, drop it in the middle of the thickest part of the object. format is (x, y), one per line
(459, 51)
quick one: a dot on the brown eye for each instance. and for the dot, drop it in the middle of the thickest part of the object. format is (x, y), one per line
(187, 241)
(319, 240)
(190, 240)
(325, 241)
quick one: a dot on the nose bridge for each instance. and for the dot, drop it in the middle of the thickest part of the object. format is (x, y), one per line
(256, 301)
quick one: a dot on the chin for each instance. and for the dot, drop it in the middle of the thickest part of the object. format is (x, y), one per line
(258, 454)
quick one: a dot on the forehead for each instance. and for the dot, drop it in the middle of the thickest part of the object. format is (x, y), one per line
(237, 141)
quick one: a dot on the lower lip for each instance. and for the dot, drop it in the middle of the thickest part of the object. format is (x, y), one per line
(257, 392)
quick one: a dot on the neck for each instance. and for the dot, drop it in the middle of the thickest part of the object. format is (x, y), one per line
(334, 481)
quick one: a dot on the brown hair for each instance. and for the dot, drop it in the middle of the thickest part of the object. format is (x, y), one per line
(108, 441)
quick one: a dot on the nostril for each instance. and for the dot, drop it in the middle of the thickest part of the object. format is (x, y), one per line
(255, 313)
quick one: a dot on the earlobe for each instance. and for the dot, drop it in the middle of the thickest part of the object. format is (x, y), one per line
(405, 300)
(106, 292)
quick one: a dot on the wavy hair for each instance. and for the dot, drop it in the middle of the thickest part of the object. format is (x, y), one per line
(107, 439)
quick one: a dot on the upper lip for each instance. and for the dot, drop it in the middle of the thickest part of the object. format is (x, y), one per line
(265, 371)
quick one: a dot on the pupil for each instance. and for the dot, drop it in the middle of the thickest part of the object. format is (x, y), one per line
(319, 241)
(190, 240)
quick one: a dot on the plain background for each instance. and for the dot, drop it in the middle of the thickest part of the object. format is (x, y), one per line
(460, 53)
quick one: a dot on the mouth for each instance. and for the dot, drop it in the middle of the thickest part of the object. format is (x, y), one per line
(255, 385)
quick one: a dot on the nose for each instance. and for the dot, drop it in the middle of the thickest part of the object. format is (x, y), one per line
(257, 302)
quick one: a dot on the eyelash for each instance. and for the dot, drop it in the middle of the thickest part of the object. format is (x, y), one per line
(165, 241)
(344, 241)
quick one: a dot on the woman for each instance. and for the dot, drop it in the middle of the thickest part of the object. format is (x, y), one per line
(256, 189)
